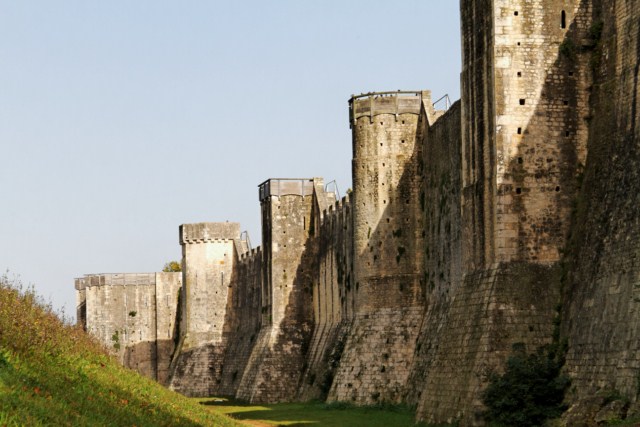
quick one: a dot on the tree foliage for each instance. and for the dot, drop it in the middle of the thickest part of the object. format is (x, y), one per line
(529, 392)
(172, 267)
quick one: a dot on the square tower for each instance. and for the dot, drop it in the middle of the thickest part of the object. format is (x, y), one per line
(523, 128)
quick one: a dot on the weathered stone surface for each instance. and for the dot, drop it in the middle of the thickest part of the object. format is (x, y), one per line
(134, 315)
(467, 231)
(601, 317)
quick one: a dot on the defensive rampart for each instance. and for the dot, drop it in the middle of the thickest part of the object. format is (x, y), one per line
(134, 315)
(509, 220)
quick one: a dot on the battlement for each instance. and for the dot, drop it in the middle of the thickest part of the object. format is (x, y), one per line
(251, 254)
(336, 207)
(286, 187)
(374, 103)
(209, 232)
(115, 279)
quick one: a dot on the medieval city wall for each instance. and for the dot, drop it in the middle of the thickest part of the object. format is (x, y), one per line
(134, 315)
(601, 318)
(168, 286)
(387, 255)
(494, 273)
(333, 295)
(243, 322)
(277, 361)
(468, 233)
(209, 258)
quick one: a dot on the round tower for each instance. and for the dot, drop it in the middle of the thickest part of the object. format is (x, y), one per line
(387, 201)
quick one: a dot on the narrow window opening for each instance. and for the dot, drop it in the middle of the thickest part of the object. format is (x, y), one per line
(519, 73)
(519, 131)
(518, 190)
(381, 144)
(522, 101)
(520, 161)
(518, 43)
(403, 122)
(563, 19)
(515, 13)
(381, 123)
(570, 73)
(402, 141)
(558, 188)
(565, 102)
(567, 133)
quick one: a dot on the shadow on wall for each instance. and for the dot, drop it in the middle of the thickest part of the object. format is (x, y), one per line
(217, 367)
(601, 299)
(389, 282)
(468, 331)
(278, 359)
(333, 296)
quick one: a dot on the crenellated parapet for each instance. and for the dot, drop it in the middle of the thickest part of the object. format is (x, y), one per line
(278, 187)
(337, 208)
(251, 255)
(134, 315)
(116, 279)
(375, 103)
(203, 232)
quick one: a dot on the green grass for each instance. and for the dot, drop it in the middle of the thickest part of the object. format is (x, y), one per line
(315, 414)
(55, 374)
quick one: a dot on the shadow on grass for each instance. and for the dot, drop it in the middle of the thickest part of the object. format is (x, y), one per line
(314, 413)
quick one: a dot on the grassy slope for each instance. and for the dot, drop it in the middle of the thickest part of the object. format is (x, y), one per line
(52, 374)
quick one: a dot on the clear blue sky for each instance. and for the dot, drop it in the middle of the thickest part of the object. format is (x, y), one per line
(120, 120)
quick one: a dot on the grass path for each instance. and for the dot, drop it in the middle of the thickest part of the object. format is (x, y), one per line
(312, 414)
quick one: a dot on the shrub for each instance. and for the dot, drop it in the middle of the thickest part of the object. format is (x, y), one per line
(529, 392)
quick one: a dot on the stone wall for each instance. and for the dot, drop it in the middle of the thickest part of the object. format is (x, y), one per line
(209, 257)
(470, 334)
(494, 272)
(333, 295)
(277, 362)
(387, 254)
(524, 101)
(478, 122)
(601, 317)
(168, 287)
(134, 315)
(541, 101)
(243, 322)
(453, 247)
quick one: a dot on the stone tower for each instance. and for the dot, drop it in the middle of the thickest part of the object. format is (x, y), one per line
(524, 103)
(286, 217)
(387, 252)
(386, 198)
(523, 143)
(208, 259)
(277, 360)
(208, 251)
